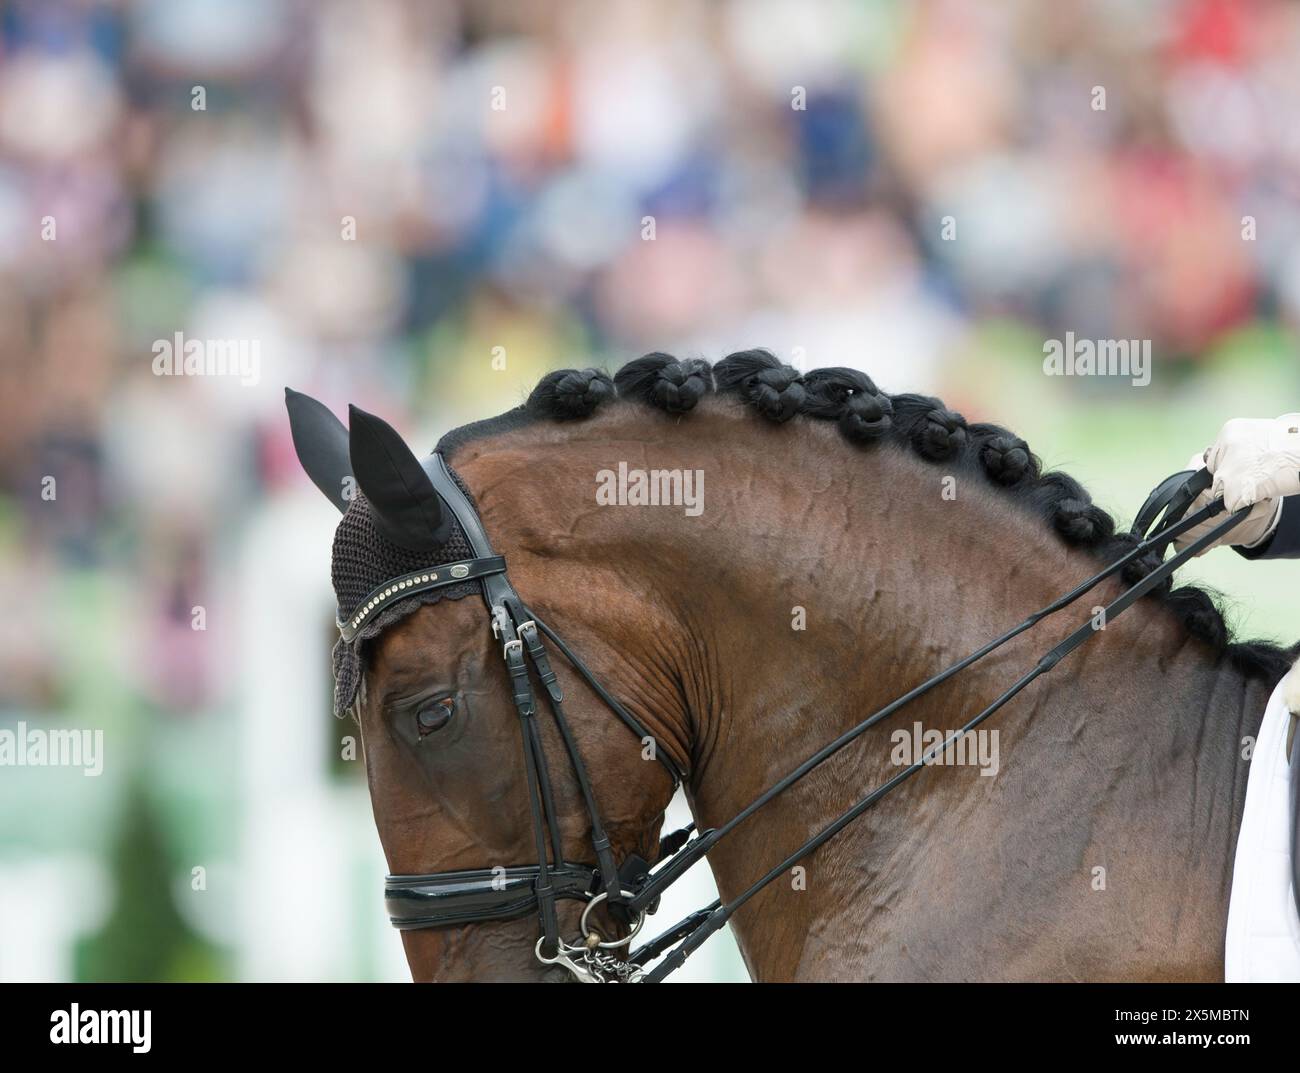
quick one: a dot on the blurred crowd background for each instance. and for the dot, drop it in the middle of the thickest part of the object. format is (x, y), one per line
(388, 195)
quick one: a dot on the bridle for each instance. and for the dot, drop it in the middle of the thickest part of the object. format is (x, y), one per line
(445, 899)
(631, 889)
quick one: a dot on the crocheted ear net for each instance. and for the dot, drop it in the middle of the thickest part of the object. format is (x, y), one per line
(364, 559)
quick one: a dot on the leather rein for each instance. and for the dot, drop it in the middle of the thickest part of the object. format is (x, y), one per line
(632, 889)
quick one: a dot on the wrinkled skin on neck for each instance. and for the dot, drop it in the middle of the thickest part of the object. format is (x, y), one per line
(1100, 850)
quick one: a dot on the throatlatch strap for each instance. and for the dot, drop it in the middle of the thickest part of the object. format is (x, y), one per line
(608, 699)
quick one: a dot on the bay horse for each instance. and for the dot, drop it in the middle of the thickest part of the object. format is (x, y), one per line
(841, 546)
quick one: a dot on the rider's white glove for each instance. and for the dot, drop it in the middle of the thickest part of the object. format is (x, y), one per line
(1254, 461)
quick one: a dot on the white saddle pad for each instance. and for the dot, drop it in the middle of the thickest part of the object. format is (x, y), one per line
(1263, 940)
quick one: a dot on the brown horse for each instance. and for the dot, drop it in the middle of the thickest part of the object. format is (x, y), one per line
(843, 545)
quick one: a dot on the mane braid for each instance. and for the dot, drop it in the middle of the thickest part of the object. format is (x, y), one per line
(864, 416)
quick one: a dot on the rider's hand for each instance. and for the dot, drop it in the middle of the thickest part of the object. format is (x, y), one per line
(1254, 462)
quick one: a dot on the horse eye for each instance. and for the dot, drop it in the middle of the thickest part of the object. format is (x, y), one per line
(436, 716)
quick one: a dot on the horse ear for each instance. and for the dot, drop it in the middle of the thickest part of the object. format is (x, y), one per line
(405, 507)
(322, 444)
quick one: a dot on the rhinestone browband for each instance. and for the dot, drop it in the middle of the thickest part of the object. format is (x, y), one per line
(419, 581)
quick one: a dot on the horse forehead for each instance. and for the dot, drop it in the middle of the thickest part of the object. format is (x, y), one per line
(434, 631)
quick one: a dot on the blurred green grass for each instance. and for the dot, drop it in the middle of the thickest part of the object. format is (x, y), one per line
(1119, 440)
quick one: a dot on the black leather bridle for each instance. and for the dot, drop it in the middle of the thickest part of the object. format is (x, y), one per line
(445, 899)
(632, 888)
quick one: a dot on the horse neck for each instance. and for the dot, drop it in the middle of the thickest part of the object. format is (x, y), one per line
(818, 584)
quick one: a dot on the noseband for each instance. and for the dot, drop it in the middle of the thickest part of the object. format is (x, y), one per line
(632, 889)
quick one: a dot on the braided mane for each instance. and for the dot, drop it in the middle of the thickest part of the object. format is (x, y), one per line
(865, 415)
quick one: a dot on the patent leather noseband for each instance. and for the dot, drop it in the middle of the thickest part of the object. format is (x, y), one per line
(631, 888)
(443, 899)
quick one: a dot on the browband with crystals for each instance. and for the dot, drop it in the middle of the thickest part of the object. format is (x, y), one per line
(399, 588)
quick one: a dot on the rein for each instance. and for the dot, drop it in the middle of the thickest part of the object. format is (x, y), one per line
(633, 889)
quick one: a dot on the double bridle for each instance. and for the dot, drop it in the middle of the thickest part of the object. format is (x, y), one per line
(631, 889)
